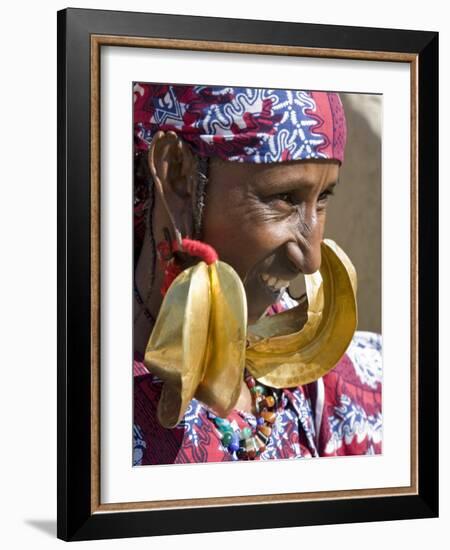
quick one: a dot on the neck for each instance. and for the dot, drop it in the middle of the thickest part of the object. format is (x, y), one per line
(142, 331)
(245, 401)
(150, 294)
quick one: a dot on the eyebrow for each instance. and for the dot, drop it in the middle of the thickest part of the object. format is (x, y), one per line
(290, 184)
(333, 184)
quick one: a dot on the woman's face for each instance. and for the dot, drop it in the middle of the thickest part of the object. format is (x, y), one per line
(267, 222)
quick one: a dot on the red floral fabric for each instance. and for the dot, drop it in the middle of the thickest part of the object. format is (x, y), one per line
(340, 414)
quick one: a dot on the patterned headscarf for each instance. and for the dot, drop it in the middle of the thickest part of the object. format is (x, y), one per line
(243, 124)
(255, 125)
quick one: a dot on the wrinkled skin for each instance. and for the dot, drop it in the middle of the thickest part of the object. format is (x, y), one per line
(261, 219)
(268, 218)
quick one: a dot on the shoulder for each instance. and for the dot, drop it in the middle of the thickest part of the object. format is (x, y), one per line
(357, 377)
(352, 412)
(362, 361)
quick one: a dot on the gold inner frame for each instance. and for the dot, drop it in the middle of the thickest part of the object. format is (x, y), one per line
(97, 41)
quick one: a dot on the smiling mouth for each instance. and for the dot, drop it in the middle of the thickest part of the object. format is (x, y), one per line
(274, 285)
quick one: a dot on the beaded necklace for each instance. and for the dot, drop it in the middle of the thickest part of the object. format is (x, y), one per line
(249, 443)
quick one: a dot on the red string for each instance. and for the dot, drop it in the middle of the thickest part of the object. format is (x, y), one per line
(172, 269)
(200, 250)
(171, 272)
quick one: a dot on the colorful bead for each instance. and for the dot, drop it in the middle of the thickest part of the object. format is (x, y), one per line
(244, 442)
(246, 433)
(251, 382)
(222, 422)
(262, 437)
(250, 445)
(266, 430)
(227, 438)
(259, 404)
(242, 451)
(262, 404)
(260, 444)
(270, 401)
(269, 416)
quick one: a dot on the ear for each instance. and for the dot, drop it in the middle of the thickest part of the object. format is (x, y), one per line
(172, 166)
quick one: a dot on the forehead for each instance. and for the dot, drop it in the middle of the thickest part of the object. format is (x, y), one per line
(286, 175)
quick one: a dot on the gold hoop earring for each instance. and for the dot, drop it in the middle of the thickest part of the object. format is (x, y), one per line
(197, 346)
(201, 344)
(324, 325)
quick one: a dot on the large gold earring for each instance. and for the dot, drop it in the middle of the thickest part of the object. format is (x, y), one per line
(200, 344)
(302, 344)
(197, 346)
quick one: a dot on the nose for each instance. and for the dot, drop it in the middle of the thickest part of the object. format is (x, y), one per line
(304, 251)
(306, 259)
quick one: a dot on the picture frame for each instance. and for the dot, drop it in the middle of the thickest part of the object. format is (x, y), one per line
(81, 36)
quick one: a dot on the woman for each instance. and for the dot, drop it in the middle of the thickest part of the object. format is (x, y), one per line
(238, 180)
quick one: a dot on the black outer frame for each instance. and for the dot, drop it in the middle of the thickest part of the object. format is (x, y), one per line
(75, 521)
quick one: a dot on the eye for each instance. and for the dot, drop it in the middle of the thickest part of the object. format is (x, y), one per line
(323, 197)
(285, 197)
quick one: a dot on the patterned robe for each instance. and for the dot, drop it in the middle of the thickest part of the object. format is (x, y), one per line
(339, 414)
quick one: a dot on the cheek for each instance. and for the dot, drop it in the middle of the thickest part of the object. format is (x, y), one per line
(240, 236)
(321, 219)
